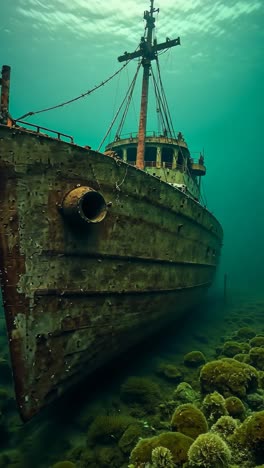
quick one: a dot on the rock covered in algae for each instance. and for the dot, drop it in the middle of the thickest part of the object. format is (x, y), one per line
(245, 333)
(251, 433)
(228, 377)
(257, 341)
(256, 358)
(64, 464)
(225, 426)
(130, 437)
(235, 407)
(170, 372)
(106, 428)
(106, 456)
(214, 406)
(194, 359)
(261, 379)
(231, 348)
(142, 391)
(189, 420)
(209, 451)
(177, 443)
(162, 457)
(256, 400)
(184, 393)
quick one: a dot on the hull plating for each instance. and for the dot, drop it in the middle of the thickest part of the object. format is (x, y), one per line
(77, 294)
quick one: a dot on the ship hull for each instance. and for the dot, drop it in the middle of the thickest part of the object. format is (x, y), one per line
(76, 295)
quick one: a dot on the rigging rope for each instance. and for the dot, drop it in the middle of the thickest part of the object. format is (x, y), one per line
(76, 98)
(128, 97)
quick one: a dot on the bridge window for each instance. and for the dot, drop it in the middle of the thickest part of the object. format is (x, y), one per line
(150, 155)
(180, 159)
(131, 154)
(167, 156)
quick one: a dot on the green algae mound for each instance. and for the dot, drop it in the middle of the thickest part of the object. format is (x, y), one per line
(189, 420)
(228, 377)
(64, 464)
(214, 406)
(142, 391)
(161, 457)
(256, 358)
(231, 348)
(209, 451)
(170, 372)
(245, 333)
(130, 437)
(257, 341)
(194, 359)
(105, 428)
(235, 407)
(225, 426)
(184, 393)
(177, 443)
(251, 433)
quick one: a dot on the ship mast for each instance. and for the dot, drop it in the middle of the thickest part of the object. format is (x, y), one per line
(148, 51)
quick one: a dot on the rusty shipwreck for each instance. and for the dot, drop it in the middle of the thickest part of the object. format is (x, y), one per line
(97, 250)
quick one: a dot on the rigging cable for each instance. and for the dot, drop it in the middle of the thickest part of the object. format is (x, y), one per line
(29, 114)
(160, 115)
(168, 115)
(128, 97)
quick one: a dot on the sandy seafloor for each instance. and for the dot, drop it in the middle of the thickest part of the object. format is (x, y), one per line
(67, 430)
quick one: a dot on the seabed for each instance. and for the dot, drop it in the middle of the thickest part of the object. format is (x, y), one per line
(193, 395)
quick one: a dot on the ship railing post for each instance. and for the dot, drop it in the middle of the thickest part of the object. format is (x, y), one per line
(5, 86)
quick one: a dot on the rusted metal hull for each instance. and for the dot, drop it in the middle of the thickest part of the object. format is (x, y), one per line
(75, 296)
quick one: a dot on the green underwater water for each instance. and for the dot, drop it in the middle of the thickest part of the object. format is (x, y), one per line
(99, 423)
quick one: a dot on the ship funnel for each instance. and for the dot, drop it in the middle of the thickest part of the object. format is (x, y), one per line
(84, 204)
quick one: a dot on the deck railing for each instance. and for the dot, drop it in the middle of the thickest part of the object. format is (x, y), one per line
(39, 129)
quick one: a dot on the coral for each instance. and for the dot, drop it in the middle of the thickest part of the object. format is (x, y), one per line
(142, 391)
(229, 377)
(257, 341)
(189, 420)
(170, 372)
(213, 406)
(184, 393)
(177, 443)
(108, 428)
(235, 407)
(209, 451)
(162, 457)
(256, 358)
(231, 348)
(224, 426)
(194, 359)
